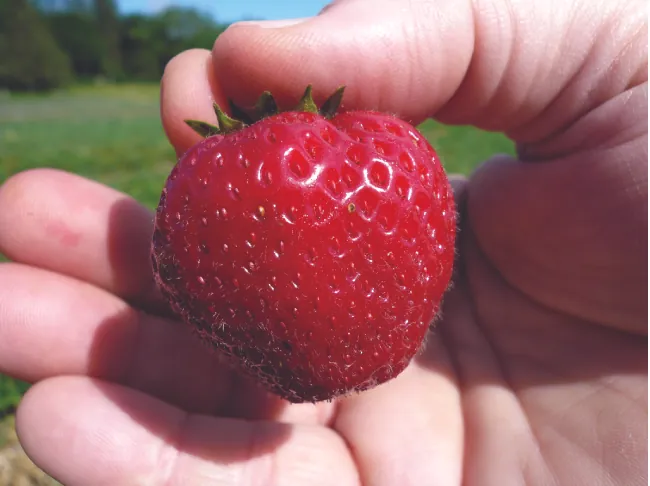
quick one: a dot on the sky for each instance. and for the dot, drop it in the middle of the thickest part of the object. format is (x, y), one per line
(232, 10)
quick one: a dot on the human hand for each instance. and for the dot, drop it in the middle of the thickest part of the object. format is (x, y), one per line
(536, 373)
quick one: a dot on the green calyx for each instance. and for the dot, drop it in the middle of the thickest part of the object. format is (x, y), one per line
(265, 107)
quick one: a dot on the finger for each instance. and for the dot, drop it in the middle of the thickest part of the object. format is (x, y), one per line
(515, 66)
(415, 420)
(83, 330)
(577, 238)
(84, 431)
(371, 57)
(429, 383)
(71, 225)
(188, 90)
(491, 410)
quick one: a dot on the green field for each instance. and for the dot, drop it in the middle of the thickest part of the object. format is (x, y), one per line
(113, 134)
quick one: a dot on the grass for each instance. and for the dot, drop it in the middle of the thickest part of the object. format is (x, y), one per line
(10, 393)
(113, 134)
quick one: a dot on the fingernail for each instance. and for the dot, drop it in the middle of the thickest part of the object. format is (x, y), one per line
(272, 24)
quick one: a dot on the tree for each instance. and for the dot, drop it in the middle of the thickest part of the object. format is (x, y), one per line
(149, 42)
(30, 58)
(109, 28)
(76, 32)
(187, 28)
(89, 31)
(142, 47)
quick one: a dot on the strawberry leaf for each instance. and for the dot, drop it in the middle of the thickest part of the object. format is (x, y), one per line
(331, 105)
(202, 128)
(306, 103)
(226, 123)
(265, 106)
(240, 114)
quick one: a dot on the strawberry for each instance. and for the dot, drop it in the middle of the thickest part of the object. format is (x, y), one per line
(311, 248)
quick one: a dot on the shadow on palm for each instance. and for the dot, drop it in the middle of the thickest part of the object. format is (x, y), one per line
(492, 334)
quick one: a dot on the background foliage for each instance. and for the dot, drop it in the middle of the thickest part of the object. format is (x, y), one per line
(47, 44)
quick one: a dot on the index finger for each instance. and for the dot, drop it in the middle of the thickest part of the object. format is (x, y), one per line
(193, 72)
(77, 227)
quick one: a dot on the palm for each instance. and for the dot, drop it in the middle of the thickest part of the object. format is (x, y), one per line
(542, 388)
(557, 397)
(503, 373)
(500, 372)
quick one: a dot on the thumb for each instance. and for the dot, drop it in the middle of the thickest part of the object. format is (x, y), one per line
(526, 68)
(565, 79)
(385, 54)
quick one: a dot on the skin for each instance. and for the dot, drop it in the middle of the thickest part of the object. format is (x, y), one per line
(536, 372)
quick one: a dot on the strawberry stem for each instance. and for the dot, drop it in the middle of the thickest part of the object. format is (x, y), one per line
(226, 124)
(202, 128)
(265, 106)
(240, 114)
(331, 105)
(306, 103)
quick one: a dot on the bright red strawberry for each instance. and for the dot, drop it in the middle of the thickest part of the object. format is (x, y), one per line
(313, 249)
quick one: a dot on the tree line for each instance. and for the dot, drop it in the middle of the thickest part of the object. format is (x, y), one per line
(48, 44)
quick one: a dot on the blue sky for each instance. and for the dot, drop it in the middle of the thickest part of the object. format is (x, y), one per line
(231, 10)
